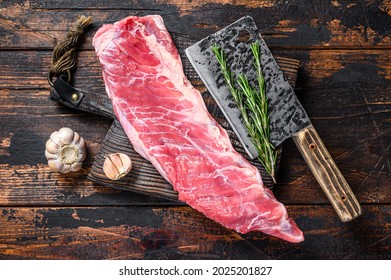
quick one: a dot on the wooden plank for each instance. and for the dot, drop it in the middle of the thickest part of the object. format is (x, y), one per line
(335, 85)
(144, 178)
(325, 69)
(39, 24)
(346, 94)
(183, 233)
(36, 185)
(26, 179)
(344, 85)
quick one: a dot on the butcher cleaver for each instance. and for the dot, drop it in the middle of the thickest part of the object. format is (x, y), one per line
(287, 116)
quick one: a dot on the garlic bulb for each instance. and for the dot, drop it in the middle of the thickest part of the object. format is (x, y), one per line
(117, 166)
(65, 151)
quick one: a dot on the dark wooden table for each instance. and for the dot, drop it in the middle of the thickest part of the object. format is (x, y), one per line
(344, 83)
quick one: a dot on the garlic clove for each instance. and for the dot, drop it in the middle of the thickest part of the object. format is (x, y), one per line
(126, 163)
(75, 167)
(82, 147)
(66, 135)
(50, 155)
(81, 144)
(82, 156)
(51, 147)
(110, 170)
(76, 137)
(56, 137)
(55, 165)
(117, 165)
(65, 169)
(116, 160)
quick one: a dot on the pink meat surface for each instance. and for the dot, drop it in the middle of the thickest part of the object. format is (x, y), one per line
(167, 123)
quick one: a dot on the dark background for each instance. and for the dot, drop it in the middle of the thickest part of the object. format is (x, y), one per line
(343, 82)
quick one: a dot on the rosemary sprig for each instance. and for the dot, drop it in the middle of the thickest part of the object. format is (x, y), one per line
(253, 106)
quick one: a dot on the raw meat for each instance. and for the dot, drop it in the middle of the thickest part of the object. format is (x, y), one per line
(167, 123)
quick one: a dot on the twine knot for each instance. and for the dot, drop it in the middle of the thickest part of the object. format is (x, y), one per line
(64, 53)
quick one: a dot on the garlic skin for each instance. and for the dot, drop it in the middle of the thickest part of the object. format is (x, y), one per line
(117, 165)
(65, 151)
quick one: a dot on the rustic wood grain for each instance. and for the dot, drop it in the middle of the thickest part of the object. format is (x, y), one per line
(183, 233)
(346, 94)
(321, 71)
(343, 82)
(144, 178)
(292, 24)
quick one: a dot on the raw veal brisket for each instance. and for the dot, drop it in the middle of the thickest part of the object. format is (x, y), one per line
(167, 123)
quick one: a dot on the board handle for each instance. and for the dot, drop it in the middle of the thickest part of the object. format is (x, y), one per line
(327, 173)
(92, 102)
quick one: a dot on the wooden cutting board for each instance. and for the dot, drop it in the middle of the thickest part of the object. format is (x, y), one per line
(144, 178)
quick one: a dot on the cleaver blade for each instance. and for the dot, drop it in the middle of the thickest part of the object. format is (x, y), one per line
(288, 119)
(287, 116)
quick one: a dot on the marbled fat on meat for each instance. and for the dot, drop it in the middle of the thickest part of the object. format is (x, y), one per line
(167, 123)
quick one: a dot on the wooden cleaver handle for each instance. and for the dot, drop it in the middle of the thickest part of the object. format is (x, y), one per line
(327, 173)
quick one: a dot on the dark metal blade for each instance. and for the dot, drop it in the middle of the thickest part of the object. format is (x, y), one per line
(287, 116)
(204, 61)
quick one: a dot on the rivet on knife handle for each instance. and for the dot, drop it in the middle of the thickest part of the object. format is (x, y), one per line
(327, 173)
